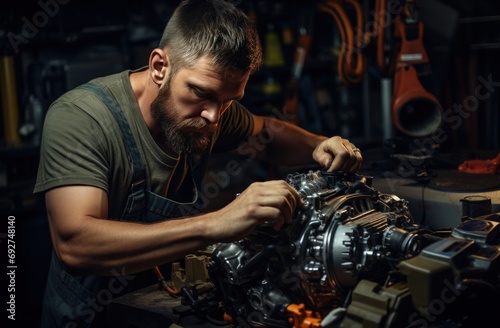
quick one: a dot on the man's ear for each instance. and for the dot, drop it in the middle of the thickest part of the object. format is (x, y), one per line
(159, 66)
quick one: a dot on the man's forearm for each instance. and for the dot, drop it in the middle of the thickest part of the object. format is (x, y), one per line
(103, 246)
(287, 144)
(87, 242)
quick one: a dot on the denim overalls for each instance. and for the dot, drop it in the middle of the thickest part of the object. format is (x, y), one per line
(74, 301)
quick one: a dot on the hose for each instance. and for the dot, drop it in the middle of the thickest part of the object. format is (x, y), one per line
(352, 63)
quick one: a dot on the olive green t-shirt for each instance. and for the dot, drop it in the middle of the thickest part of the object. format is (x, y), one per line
(82, 143)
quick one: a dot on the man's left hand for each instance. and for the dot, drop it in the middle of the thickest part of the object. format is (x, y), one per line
(338, 154)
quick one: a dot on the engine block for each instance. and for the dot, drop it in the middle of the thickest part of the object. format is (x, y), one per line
(345, 233)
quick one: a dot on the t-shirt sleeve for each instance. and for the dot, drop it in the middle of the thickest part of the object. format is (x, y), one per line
(72, 148)
(236, 127)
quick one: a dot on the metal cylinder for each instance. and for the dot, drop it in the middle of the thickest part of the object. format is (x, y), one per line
(475, 205)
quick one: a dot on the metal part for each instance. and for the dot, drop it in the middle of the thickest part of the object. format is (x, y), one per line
(345, 232)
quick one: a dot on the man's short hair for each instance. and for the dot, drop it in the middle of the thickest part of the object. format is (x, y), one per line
(213, 28)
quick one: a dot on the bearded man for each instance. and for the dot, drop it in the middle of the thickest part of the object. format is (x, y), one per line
(123, 158)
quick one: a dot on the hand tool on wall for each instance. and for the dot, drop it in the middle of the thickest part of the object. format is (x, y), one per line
(415, 111)
(383, 36)
(292, 91)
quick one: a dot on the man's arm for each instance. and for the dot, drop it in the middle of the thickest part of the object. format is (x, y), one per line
(87, 243)
(283, 143)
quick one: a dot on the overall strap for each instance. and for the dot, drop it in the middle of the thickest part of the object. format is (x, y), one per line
(135, 157)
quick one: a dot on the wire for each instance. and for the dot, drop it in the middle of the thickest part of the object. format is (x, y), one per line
(164, 284)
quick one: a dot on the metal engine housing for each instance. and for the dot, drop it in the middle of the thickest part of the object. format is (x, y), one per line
(345, 231)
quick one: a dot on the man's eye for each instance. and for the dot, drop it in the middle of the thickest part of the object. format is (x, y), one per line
(201, 95)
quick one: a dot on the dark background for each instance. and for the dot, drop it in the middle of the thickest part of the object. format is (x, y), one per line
(74, 41)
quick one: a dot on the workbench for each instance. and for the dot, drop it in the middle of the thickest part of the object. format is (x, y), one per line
(153, 307)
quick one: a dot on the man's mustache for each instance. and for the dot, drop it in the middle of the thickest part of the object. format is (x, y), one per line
(200, 124)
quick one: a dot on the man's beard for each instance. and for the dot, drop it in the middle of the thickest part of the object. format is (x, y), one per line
(177, 138)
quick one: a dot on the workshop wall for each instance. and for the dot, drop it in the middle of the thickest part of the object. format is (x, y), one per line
(50, 46)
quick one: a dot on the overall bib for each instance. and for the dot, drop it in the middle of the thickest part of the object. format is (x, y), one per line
(75, 301)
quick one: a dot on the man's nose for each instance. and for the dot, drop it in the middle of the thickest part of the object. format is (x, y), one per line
(211, 112)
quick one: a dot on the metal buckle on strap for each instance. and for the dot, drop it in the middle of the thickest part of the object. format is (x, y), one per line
(137, 185)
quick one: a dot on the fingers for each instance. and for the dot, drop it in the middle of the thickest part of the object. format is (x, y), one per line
(280, 200)
(347, 159)
(357, 160)
(338, 154)
(272, 202)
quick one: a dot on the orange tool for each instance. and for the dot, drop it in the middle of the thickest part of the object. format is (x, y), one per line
(300, 317)
(479, 166)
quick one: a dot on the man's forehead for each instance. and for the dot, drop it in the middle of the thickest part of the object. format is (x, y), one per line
(212, 79)
(211, 66)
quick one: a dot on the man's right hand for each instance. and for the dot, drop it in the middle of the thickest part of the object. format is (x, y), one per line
(262, 202)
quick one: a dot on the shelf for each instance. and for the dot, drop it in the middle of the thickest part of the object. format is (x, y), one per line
(24, 150)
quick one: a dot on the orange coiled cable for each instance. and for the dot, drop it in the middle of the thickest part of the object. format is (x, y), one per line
(352, 64)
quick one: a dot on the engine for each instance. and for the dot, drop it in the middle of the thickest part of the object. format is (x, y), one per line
(352, 257)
